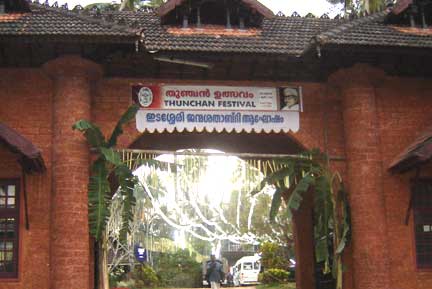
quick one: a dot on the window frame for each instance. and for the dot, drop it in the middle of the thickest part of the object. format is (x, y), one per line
(13, 213)
(419, 236)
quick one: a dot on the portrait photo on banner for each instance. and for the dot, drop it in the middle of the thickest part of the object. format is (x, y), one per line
(290, 98)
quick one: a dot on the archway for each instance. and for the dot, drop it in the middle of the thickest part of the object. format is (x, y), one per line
(256, 143)
(228, 142)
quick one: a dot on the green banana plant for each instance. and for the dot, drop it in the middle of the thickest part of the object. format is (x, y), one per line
(293, 177)
(108, 164)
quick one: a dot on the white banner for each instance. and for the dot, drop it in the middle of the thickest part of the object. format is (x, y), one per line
(192, 97)
(238, 121)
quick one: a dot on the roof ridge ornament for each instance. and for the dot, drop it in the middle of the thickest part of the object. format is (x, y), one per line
(97, 13)
(94, 16)
(280, 14)
(295, 14)
(325, 16)
(46, 3)
(65, 6)
(310, 15)
(146, 9)
(78, 8)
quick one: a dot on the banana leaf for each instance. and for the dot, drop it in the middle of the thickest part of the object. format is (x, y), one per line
(301, 188)
(307, 172)
(127, 182)
(111, 156)
(91, 132)
(125, 118)
(276, 203)
(274, 178)
(98, 192)
(323, 208)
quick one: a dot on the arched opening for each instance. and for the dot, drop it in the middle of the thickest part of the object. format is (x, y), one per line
(263, 144)
(227, 142)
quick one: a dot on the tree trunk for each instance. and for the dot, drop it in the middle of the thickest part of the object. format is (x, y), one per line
(366, 6)
(103, 263)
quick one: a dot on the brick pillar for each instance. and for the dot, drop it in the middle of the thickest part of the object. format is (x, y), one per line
(70, 242)
(364, 171)
(304, 244)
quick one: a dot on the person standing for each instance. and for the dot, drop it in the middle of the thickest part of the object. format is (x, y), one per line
(215, 272)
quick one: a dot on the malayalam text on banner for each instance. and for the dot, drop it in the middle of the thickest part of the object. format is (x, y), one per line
(217, 108)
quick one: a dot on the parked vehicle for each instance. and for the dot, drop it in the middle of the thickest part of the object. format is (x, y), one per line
(246, 270)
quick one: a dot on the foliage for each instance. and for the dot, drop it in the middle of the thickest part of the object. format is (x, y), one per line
(250, 214)
(277, 286)
(117, 275)
(203, 211)
(293, 177)
(102, 6)
(126, 284)
(144, 277)
(274, 275)
(107, 163)
(155, 3)
(273, 256)
(360, 6)
(178, 269)
(125, 5)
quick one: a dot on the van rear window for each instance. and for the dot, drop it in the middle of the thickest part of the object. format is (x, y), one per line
(247, 266)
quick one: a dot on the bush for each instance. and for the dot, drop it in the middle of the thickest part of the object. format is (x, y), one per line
(118, 275)
(178, 270)
(274, 256)
(145, 276)
(274, 276)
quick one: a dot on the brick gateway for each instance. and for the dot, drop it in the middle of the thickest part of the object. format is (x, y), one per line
(365, 101)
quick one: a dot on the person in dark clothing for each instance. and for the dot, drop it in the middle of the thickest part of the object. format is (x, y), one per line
(215, 274)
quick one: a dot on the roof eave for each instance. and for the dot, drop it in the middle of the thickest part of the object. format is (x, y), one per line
(417, 154)
(30, 156)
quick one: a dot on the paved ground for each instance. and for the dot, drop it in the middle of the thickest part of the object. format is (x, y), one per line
(242, 287)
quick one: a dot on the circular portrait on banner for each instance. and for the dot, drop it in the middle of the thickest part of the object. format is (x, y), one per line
(145, 96)
(289, 98)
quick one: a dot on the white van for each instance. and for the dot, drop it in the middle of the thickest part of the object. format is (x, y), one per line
(246, 270)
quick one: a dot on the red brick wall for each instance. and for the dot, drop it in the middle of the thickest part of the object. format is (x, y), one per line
(403, 109)
(26, 107)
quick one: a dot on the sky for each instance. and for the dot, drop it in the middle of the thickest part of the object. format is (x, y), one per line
(303, 7)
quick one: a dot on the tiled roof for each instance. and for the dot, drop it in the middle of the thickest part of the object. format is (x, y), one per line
(280, 35)
(373, 31)
(49, 21)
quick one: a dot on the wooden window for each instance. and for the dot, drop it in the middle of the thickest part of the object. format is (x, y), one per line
(422, 206)
(9, 228)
